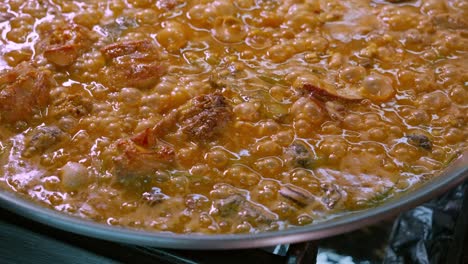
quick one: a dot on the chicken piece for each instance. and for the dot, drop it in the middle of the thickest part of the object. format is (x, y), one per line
(136, 165)
(64, 43)
(23, 91)
(131, 64)
(71, 105)
(43, 138)
(202, 118)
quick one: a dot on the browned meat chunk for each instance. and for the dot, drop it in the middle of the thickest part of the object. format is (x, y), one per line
(43, 138)
(23, 91)
(202, 118)
(138, 48)
(131, 64)
(140, 156)
(71, 105)
(136, 165)
(63, 43)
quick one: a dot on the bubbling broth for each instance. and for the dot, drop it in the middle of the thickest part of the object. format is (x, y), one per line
(236, 116)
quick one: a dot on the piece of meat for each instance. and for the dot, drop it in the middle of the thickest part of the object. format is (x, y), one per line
(297, 155)
(64, 43)
(330, 99)
(236, 206)
(327, 92)
(230, 205)
(131, 64)
(71, 105)
(150, 136)
(135, 166)
(24, 90)
(139, 157)
(135, 48)
(202, 118)
(420, 141)
(297, 195)
(43, 138)
(313, 86)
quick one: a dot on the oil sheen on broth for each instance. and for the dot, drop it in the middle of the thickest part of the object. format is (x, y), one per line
(228, 116)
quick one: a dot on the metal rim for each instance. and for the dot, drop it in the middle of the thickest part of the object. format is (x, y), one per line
(455, 174)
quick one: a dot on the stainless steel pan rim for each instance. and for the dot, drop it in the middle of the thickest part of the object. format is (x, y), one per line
(455, 174)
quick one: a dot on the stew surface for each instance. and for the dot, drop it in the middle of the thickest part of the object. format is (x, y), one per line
(228, 116)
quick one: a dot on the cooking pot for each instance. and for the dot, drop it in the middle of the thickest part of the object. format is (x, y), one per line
(453, 175)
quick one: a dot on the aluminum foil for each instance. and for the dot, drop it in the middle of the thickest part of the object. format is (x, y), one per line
(431, 233)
